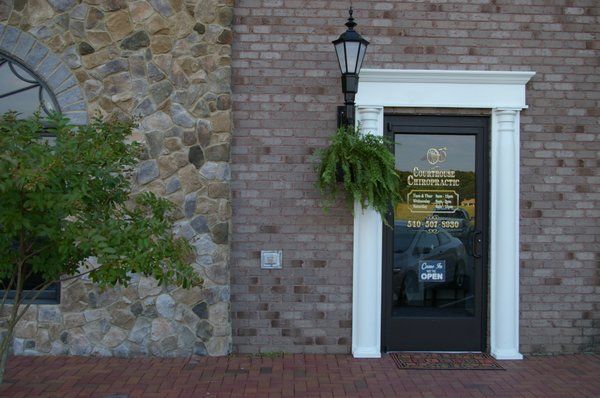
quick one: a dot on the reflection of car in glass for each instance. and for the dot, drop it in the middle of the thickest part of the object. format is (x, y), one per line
(414, 245)
(456, 221)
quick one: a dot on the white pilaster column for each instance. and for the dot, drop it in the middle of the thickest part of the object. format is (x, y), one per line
(370, 119)
(367, 262)
(504, 314)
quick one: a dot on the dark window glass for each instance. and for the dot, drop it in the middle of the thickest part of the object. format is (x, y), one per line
(23, 92)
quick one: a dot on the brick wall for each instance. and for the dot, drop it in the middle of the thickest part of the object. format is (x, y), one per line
(286, 88)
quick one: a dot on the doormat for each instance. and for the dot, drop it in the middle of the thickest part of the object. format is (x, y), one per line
(445, 361)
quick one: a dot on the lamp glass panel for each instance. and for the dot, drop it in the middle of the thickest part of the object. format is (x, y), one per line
(352, 48)
(361, 57)
(341, 56)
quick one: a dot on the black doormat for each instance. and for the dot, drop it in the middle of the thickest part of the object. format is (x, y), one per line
(445, 361)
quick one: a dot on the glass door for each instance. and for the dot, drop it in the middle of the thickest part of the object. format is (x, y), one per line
(436, 253)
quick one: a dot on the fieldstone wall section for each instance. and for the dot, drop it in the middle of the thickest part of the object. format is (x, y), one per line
(169, 63)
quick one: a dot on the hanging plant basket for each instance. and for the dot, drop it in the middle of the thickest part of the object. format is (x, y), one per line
(363, 166)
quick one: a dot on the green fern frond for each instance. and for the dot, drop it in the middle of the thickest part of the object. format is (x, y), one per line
(366, 166)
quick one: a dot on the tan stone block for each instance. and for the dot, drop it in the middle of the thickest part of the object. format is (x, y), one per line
(161, 328)
(218, 346)
(209, 63)
(31, 314)
(74, 297)
(81, 75)
(160, 44)
(157, 187)
(37, 12)
(225, 16)
(114, 337)
(121, 97)
(206, 11)
(68, 38)
(225, 60)
(94, 16)
(178, 76)
(218, 190)
(157, 24)
(107, 105)
(119, 83)
(177, 198)
(140, 10)
(183, 24)
(221, 121)
(26, 330)
(55, 330)
(167, 165)
(217, 272)
(225, 37)
(125, 105)
(96, 109)
(42, 341)
(198, 77)
(56, 44)
(99, 39)
(178, 5)
(221, 330)
(173, 143)
(207, 206)
(118, 24)
(181, 159)
(148, 287)
(220, 138)
(186, 297)
(224, 211)
(189, 65)
(190, 179)
(130, 294)
(97, 58)
(73, 320)
(18, 20)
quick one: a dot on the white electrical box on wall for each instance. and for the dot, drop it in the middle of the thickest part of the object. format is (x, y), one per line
(270, 259)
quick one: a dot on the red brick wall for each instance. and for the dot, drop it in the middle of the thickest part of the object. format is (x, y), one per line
(286, 89)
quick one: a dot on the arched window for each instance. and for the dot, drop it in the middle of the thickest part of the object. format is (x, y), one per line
(34, 78)
(22, 91)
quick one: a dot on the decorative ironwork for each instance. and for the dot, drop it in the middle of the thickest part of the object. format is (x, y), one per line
(18, 89)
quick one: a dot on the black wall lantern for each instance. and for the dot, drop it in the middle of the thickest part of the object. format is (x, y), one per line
(350, 49)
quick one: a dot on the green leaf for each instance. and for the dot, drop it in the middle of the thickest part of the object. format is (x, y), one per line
(366, 166)
(65, 202)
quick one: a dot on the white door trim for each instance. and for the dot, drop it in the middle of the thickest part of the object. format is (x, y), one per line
(504, 94)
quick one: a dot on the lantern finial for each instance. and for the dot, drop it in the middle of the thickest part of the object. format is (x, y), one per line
(350, 24)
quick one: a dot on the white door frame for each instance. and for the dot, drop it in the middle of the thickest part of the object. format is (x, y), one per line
(503, 93)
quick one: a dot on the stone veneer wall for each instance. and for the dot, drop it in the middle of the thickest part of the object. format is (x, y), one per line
(169, 63)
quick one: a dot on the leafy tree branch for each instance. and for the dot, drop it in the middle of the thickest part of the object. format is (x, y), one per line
(68, 199)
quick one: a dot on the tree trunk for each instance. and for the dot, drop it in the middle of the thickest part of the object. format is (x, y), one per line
(5, 348)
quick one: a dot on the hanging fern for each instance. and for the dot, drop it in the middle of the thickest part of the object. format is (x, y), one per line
(366, 167)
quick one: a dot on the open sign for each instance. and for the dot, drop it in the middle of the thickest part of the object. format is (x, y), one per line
(432, 271)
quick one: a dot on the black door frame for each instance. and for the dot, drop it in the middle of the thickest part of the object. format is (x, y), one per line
(444, 124)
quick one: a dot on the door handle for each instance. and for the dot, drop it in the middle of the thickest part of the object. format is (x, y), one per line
(477, 244)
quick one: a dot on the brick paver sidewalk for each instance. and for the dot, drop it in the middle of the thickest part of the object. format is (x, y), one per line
(293, 375)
